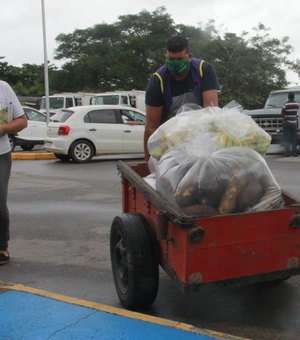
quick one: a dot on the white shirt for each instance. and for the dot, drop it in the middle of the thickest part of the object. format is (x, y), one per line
(8, 98)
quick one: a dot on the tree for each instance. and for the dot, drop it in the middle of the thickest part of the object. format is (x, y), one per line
(118, 56)
(123, 56)
(250, 67)
(26, 80)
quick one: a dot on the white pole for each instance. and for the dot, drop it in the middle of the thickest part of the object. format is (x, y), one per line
(45, 63)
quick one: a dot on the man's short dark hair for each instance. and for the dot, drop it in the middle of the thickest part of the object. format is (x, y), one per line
(177, 43)
(291, 95)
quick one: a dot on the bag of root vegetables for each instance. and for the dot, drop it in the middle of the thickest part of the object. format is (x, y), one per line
(227, 181)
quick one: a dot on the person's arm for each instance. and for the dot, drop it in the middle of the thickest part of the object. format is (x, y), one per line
(210, 98)
(154, 110)
(153, 118)
(210, 86)
(19, 121)
(14, 126)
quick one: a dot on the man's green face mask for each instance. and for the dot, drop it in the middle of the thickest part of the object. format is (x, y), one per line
(178, 66)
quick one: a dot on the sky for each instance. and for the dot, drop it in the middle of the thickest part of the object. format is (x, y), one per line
(21, 23)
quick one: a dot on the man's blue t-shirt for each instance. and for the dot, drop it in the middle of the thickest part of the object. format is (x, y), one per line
(182, 90)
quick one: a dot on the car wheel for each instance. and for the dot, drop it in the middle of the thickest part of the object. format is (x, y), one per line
(12, 142)
(134, 261)
(64, 158)
(27, 147)
(82, 151)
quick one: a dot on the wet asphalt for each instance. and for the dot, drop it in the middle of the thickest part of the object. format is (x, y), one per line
(60, 219)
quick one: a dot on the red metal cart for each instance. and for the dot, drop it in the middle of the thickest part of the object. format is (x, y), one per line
(242, 248)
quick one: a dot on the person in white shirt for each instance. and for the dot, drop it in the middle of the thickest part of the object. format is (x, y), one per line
(9, 105)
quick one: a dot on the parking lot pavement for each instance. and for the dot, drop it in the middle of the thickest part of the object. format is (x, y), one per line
(29, 313)
(39, 152)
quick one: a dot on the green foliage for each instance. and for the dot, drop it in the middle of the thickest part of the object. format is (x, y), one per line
(27, 80)
(249, 67)
(123, 55)
(119, 56)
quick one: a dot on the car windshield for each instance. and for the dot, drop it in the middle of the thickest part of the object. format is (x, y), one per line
(54, 103)
(278, 99)
(35, 115)
(62, 116)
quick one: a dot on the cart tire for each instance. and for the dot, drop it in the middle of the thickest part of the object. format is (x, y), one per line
(134, 261)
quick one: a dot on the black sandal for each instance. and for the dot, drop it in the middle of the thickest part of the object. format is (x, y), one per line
(4, 259)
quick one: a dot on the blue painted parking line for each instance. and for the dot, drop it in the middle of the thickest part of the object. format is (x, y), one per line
(34, 314)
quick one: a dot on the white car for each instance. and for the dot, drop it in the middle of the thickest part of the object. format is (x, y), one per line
(81, 132)
(34, 134)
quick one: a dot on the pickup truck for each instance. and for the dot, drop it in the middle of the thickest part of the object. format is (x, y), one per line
(269, 118)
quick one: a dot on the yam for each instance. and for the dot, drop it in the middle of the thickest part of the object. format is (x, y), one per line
(187, 196)
(229, 199)
(211, 191)
(167, 184)
(250, 196)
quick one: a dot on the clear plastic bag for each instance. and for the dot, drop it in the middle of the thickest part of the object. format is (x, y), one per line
(231, 180)
(219, 128)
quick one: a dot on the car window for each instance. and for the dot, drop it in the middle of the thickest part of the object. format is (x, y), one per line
(133, 115)
(277, 99)
(62, 116)
(107, 100)
(35, 115)
(104, 116)
(69, 102)
(124, 100)
(56, 103)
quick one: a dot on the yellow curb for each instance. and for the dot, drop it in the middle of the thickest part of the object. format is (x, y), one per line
(33, 155)
(117, 311)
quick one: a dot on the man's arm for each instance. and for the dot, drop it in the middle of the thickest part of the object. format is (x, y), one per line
(210, 86)
(153, 118)
(210, 98)
(15, 126)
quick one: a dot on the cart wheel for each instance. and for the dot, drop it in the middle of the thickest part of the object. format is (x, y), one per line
(134, 261)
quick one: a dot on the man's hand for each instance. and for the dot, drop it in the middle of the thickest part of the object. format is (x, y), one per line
(153, 119)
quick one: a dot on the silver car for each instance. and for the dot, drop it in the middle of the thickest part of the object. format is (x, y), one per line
(35, 132)
(82, 132)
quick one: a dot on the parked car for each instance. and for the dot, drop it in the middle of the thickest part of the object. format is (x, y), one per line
(35, 132)
(81, 132)
(269, 118)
